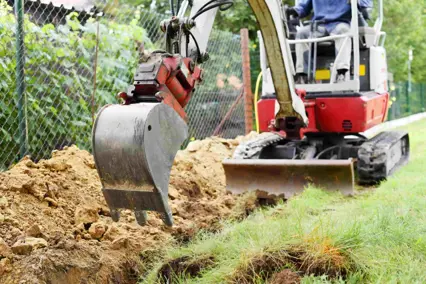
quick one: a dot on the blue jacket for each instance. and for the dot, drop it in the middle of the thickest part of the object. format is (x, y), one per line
(330, 11)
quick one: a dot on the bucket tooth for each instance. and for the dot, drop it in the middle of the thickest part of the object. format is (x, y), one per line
(167, 218)
(285, 178)
(134, 147)
(115, 215)
(141, 217)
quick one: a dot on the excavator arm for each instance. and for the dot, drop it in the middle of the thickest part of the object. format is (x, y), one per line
(134, 143)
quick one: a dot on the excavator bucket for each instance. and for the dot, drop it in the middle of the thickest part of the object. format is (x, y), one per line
(134, 147)
(285, 178)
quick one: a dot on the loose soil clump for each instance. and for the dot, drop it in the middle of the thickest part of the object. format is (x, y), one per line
(301, 259)
(55, 226)
(184, 266)
(285, 277)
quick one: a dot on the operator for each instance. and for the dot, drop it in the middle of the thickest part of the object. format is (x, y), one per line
(333, 18)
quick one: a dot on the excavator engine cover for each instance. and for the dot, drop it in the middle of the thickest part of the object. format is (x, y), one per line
(134, 147)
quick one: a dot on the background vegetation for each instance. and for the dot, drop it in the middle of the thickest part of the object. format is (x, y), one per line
(60, 64)
(59, 77)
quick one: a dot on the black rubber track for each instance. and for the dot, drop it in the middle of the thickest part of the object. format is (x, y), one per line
(373, 156)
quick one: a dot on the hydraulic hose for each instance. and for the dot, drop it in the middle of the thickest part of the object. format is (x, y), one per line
(256, 97)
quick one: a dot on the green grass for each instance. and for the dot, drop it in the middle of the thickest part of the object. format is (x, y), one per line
(381, 235)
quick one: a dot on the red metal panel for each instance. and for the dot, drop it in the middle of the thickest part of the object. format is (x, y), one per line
(350, 114)
(171, 80)
(310, 107)
(266, 113)
(337, 115)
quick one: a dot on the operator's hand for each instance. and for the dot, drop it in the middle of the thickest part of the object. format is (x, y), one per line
(291, 12)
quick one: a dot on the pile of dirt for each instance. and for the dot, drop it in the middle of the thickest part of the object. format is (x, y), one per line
(55, 226)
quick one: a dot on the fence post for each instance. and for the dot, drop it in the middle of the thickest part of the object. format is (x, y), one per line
(248, 95)
(20, 77)
(422, 98)
(408, 98)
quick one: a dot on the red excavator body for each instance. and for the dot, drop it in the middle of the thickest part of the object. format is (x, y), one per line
(346, 113)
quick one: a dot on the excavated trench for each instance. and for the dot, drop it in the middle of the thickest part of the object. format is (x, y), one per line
(55, 226)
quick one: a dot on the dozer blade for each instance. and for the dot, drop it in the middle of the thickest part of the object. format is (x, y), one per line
(134, 147)
(285, 178)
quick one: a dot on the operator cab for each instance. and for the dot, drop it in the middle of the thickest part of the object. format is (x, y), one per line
(368, 70)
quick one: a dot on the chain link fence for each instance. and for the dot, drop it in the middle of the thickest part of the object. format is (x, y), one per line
(64, 64)
(405, 102)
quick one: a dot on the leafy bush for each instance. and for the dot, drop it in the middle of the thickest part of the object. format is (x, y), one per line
(59, 72)
(59, 78)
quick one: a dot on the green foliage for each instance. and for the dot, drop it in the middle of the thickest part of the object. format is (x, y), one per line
(59, 69)
(405, 25)
(118, 7)
(404, 103)
(238, 17)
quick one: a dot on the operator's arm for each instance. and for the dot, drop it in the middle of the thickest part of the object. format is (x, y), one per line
(365, 3)
(304, 8)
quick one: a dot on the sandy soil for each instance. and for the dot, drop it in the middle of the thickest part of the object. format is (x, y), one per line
(55, 226)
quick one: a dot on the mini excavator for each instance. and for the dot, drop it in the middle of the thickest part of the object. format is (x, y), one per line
(310, 133)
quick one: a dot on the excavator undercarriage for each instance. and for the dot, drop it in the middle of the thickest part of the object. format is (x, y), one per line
(277, 167)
